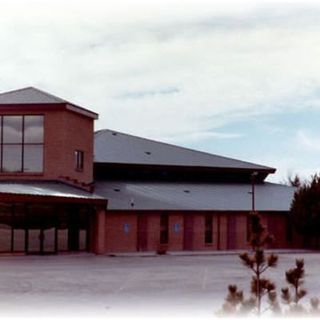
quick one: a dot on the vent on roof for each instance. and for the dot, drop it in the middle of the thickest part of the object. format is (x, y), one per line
(114, 133)
(186, 191)
(147, 152)
(116, 190)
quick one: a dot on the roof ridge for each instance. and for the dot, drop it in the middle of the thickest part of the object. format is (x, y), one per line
(15, 97)
(49, 95)
(62, 100)
(185, 148)
(15, 90)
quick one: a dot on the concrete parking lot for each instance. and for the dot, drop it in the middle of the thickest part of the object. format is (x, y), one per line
(114, 287)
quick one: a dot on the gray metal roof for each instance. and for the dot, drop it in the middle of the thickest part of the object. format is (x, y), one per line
(28, 95)
(115, 147)
(51, 189)
(31, 95)
(194, 196)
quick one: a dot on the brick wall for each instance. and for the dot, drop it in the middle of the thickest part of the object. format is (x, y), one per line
(64, 132)
(121, 232)
(120, 239)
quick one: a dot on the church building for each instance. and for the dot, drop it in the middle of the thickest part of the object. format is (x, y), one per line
(66, 188)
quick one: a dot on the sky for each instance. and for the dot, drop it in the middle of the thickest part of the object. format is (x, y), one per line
(234, 78)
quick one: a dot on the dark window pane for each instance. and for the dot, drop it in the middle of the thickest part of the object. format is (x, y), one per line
(12, 158)
(164, 228)
(164, 221)
(82, 240)
(208, 229)
(1, 117)
(19, 224)
(208, 237)
(49, 240)
(12, 129)
(79, 157)
(62, 239)
(33, 129)
(5, 237)
(18, 240)
(164, 236)
(34, 240)
(33, 158)
(5, 228)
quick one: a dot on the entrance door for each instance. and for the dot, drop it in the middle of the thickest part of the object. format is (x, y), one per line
(41, 241)
(40, 230)
(77, 230)
(49, 241)
(43, 228)
(33, 243)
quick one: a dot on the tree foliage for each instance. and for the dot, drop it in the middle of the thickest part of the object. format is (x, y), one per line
(295, 279)
(293, 180)
(258, 262)
(305, 208)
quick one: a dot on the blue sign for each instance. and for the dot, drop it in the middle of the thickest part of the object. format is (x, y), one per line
(126, 228)
(176, 227)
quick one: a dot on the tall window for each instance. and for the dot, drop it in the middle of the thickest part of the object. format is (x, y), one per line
(164, 228)
(78, 158)
(21, 146)
(208, 229)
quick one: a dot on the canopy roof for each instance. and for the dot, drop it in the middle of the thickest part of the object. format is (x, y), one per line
(45, 191)
(194, 196)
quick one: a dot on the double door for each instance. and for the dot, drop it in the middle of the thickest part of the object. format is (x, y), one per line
(43, 229)
(41, 241)
(49, 232)
(56, 234)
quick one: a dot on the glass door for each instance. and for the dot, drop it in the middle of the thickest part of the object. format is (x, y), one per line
(49, 241)
(33, 241)
(41, 241)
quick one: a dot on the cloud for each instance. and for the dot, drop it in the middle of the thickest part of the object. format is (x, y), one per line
(192, 137)
(146, 94)
(171, 69)
(307, 141)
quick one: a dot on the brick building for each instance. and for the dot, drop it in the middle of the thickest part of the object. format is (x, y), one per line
(65, 188)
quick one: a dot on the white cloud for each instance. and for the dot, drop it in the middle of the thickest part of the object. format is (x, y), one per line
(192, 137)
(170, 70)
(307, 141)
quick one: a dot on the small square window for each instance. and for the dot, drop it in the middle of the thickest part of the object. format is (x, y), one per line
(79, 157)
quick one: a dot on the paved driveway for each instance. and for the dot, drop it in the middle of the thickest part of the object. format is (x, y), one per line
(111, 287)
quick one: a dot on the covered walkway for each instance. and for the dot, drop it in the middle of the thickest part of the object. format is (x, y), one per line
(47, 218)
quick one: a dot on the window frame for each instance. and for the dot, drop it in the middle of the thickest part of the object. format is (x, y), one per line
(79, 160)
(22, 145)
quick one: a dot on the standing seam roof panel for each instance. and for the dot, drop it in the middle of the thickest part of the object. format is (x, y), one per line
(115, 147)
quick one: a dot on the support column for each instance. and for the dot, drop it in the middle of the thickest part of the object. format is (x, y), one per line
(100, 230)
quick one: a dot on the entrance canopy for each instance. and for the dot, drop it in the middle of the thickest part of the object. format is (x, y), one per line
(46, 217)
(11, 191)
